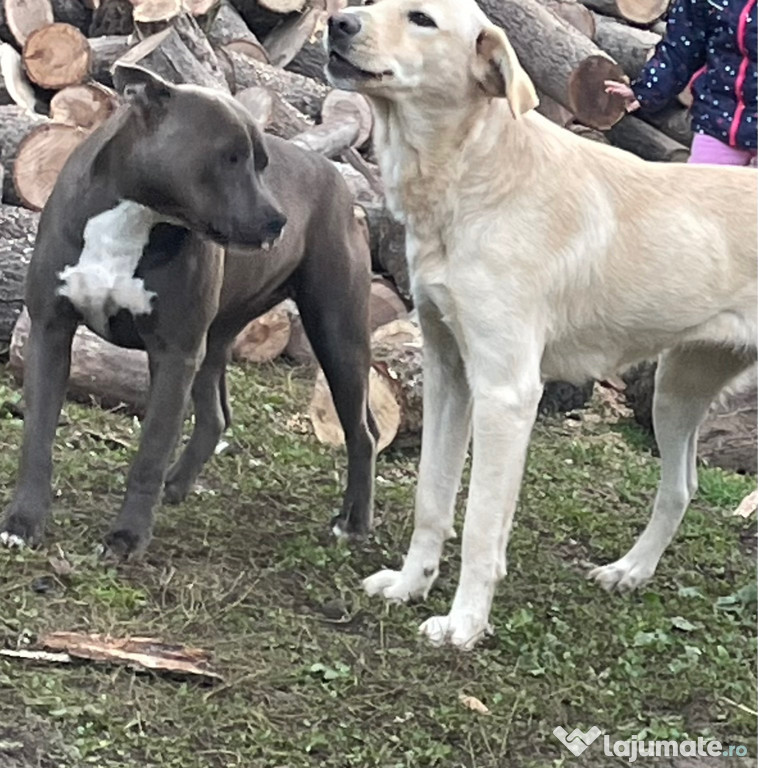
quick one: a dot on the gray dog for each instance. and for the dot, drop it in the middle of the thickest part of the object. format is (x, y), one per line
(166, 232)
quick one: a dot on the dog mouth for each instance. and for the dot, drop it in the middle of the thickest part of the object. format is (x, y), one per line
(341, 67)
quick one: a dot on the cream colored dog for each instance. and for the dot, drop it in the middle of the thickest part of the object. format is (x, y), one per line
(535, 254)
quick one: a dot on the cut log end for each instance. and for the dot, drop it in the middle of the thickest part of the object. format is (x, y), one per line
(282, 6)
(56, 56)
(150, 11)
(26, 16)
(263, 339)
(382, 402)
(642, 11)
(589, 102)
(84, 106)
(41, 156)
(339, 104)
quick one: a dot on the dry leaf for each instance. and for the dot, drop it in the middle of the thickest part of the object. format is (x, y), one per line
(474, 704)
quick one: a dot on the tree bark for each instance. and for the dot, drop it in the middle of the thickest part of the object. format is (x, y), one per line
(561, 61)
(105, 51)
(642, 12)
(72, 12)
(647, 142)
(674, 121)
(19, 228)
(41, 157)
(112, 376)
(15, 124)
(56, 56)
(346, 122)
(629, 46)
(112, 18)
(305, 95)
(15, 84)
(573, 13)
(229, 27)
(281, 118)
(553, 111)
(262, 17)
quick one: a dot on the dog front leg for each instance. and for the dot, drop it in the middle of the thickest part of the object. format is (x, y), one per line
(46, 372)
(444, 441)
(169, 393)
(504, 413)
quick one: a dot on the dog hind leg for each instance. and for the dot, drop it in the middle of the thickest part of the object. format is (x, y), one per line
(687, 381)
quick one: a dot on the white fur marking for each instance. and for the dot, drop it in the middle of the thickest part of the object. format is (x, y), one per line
(102, 281)
(11, 541)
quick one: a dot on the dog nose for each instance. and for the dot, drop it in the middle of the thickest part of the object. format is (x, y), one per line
(344, 26)
(275, 226)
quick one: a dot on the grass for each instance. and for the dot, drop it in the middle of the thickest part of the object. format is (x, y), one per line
(315, 672)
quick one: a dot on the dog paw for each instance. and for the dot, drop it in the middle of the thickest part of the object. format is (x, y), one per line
(462, 632)
(175, 492)
(398, 586)
(11, 540)
(121, 544)
(624, 575)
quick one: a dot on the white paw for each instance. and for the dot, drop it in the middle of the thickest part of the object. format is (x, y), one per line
(624, 575)
(463, 631)
(397, 586)
(11, 541)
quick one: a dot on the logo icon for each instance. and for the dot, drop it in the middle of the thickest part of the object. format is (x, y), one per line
(576, 741)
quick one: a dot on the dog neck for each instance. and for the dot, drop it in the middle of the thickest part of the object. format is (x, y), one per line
(426, 154)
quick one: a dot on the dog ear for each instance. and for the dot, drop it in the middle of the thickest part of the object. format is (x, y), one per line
(260, 153)
(140, 87)
(499, 73)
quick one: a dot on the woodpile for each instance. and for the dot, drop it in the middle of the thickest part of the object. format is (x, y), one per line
(56, 58)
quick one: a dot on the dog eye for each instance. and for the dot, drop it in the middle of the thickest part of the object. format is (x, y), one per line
(233, 158)
(421, 19)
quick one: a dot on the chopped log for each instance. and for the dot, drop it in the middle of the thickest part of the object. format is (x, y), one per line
(728, 438)
(264, 338)
(84, 106)
(284, 41)
(629, 46)
(15, 83)
(553, 111)
(647, 142)
(111, 18)
(180, 54)
(311, 59)
(19, 228)
(15, 124)
(41, 156)
(261, 16)
(200, 8)
(105, 51)
(73, 12)
(387, 236)
(56, 56)
(26, 16)
(305, 95)
(346, 122)
(259, 102)
(111, 376)
(229, 27)
(672, 120)
(561, 61)
(641, 12)
(385, 307)
(573, 13)
(281, 118)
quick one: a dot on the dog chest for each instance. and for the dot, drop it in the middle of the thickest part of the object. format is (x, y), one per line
(102, 282)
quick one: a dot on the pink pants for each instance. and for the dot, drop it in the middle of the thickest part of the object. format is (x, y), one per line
(706, 149)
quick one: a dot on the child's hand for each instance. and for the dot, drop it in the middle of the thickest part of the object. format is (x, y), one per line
(626, 93)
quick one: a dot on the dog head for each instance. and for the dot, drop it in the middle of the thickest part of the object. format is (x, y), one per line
(433, 51)
(194, 155)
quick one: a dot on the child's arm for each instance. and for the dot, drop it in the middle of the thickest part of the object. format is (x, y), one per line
(677, 57)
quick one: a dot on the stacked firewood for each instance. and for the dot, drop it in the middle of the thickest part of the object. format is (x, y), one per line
(56, 58)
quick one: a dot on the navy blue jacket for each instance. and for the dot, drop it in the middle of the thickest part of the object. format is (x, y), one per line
(711, 43)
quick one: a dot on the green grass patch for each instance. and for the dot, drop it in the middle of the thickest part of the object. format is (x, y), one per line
(316, 673)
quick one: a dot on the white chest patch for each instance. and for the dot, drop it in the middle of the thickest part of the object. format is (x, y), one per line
(102, 282)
